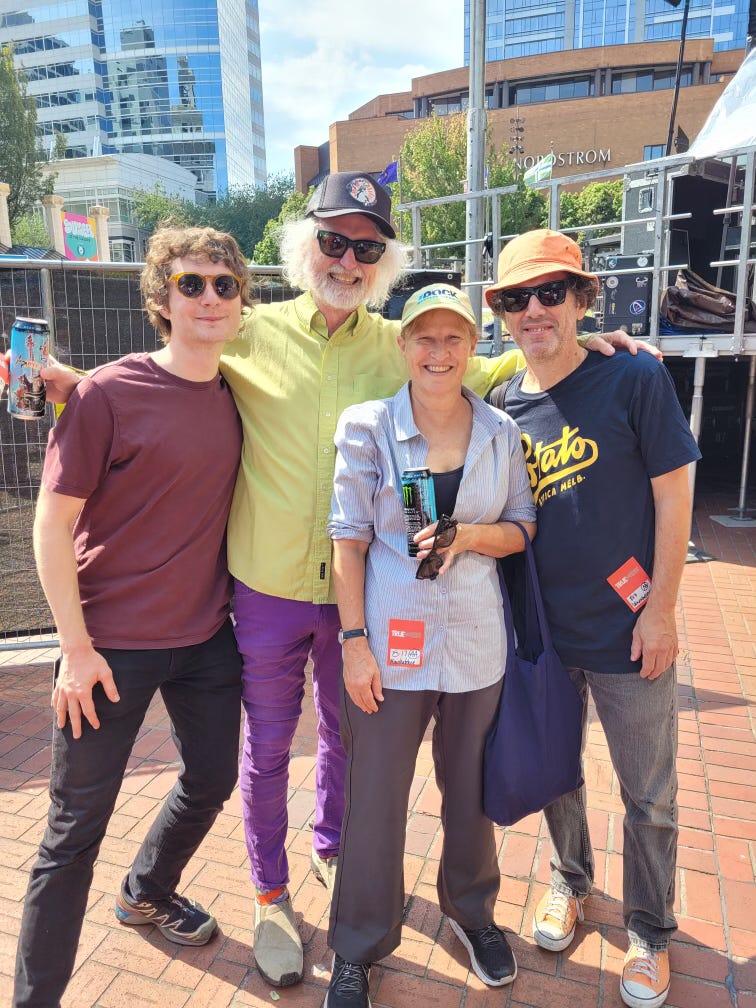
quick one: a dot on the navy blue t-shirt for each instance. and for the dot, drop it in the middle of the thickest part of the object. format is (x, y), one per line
(592, 443)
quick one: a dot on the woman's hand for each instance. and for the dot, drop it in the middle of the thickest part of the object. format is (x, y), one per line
(362, 677)
(425, 539)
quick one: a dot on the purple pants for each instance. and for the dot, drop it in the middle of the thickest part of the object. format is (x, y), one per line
(275, 638)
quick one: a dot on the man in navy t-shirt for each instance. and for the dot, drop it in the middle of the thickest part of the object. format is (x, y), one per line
(607, 450)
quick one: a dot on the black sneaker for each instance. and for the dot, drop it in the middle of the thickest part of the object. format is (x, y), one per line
(349, 985)
(181, 920)
(490, 955)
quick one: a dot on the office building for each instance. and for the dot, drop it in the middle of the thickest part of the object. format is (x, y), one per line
(532, 28)
(595, 108)
(176, 79)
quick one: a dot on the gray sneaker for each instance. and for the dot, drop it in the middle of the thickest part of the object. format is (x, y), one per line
(278, 947)
(324, 870)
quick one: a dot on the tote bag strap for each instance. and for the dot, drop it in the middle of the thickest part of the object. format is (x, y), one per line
(536, 626)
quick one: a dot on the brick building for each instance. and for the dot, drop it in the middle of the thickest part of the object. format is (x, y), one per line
(598, 108)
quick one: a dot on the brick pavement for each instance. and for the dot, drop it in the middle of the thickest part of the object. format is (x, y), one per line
(713, 958)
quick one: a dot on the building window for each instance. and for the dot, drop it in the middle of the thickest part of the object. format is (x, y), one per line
(651, 151)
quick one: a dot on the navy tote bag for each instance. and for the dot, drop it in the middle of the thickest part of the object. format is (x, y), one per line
(533, 749)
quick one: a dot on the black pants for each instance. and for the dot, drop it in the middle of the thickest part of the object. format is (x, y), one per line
(368, 900)
(201, 689)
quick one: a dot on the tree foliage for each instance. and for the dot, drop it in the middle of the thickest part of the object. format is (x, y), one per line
(267, 251)
(597, 203)
(30, 230)
(19, 164)
(433, 163)
(243, 211)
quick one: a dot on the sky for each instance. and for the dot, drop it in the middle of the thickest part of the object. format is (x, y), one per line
(321, 59)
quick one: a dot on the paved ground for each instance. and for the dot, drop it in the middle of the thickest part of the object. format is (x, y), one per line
(713, 959)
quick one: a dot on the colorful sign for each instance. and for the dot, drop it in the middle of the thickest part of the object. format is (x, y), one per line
(79, 237)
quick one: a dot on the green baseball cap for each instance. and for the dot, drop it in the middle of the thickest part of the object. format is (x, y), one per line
(438, 296)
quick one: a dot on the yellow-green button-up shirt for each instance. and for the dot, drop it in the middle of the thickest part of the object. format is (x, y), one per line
(291, 383)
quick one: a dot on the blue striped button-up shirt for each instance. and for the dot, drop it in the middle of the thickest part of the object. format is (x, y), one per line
(447, 634)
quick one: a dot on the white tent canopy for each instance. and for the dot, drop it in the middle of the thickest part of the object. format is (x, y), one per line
(732, 121)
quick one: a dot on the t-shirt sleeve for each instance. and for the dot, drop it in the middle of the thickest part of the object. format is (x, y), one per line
(520, 505)
(664, 435)
(80, 445)
(355, 481)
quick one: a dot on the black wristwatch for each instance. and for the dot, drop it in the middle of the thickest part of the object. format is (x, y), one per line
(348, 634)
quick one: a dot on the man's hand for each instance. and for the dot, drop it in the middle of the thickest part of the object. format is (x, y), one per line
(72, 695)
(59, 381)
(362, 677)
(5, 367)
(606, 342)
(655, 641)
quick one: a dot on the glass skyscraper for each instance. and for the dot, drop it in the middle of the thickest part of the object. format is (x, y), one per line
(179, 79)
(530, 27)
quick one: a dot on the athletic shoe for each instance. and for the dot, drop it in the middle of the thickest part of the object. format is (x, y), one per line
(349, 985)
(277, 945)
(555, 918)
(645, 978)
(491, 957)
(324, 869)
(181, 920)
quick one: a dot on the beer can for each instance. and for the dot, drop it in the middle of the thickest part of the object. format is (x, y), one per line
(29, 349)
(419, 499)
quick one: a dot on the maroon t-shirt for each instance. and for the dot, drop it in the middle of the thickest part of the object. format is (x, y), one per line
(156, 458)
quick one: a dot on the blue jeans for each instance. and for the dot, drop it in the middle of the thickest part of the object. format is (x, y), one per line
(201, 688)
(639, 718)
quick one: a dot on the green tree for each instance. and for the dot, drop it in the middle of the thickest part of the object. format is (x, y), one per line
(267, 251)
(597, 203)
(154, 207)
(434, 163)
(19, 164)
(61, 146)
(244, 211)
(30, 230)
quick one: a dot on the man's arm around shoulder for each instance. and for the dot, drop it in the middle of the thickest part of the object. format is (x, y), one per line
(80, 666)
(655, 632)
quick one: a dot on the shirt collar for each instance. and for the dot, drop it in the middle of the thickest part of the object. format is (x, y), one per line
(311, 318)
(404, 422)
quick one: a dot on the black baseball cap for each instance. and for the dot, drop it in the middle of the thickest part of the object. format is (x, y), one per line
(343, 193)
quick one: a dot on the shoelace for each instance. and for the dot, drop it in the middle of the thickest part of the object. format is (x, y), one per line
(489, 935)
(351, 979)
(559, 907)
(646, 963)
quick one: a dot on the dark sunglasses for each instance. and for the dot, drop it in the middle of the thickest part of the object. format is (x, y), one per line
(429, 566)
(516, 299)
(335, 245)
(192, 285)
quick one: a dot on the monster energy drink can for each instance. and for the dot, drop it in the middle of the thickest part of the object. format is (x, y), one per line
(29, 348)
(419, 500)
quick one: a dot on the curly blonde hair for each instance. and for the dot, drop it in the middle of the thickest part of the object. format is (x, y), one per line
(170, 243)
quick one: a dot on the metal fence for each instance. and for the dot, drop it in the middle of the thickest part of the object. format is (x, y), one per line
(95, 315)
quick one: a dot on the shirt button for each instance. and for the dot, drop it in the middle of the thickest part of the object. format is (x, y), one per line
(328, 412)
(326, 450)
(329, 377)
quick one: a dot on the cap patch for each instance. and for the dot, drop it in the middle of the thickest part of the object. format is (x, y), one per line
(363, 190)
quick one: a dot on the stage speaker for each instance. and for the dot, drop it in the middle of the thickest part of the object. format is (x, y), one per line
(626, 295)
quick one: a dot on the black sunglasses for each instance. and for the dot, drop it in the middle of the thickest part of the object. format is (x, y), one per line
(516, 299)
(192, 285)
(335, 245)
(429, 566)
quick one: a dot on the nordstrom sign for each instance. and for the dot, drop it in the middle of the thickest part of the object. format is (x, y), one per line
(571, 158)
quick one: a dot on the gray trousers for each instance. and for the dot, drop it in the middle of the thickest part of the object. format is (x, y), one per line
(639, 718)
(381, 748)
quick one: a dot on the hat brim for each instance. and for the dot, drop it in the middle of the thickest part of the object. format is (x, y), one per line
(522, 275)
(384, 225)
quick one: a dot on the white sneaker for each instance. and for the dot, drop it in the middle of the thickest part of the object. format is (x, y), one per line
(324, 870)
